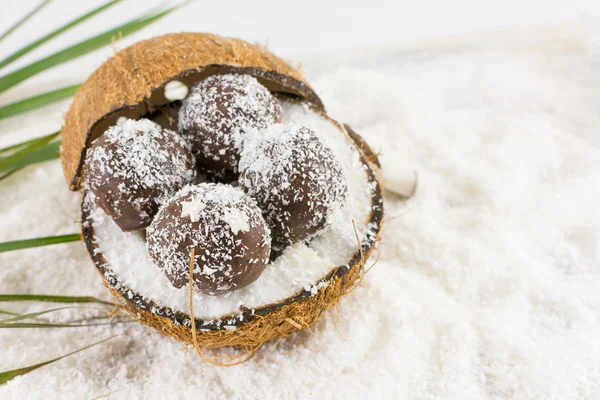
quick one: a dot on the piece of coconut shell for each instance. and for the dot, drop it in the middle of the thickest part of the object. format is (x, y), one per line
(130, 84)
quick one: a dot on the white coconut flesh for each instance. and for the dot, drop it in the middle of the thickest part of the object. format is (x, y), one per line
(299, 268)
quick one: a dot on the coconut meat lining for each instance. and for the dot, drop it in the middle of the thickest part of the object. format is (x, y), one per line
(300, 266)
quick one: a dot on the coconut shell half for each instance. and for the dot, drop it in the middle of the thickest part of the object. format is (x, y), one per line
(131, 84)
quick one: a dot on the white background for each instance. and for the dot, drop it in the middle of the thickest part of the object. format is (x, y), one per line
(287, 27)
(309, 25)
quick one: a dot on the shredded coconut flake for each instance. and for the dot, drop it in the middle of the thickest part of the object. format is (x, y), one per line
(237, 220)
(192, 209)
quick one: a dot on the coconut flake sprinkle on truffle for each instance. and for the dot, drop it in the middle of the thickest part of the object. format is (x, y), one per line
(192, 209)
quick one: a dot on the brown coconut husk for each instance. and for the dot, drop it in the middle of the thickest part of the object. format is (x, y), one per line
(130, 84)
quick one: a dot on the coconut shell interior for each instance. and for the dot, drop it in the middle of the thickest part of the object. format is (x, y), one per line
(248, 328)
(131, 84)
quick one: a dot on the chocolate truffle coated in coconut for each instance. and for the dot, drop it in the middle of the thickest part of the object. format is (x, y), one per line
(225, 227)
(296, 180)
(218, 112)
(135, 166)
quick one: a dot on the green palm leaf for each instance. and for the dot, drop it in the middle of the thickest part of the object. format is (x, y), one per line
(9, 375)
(25, 18)
(46, 153)
(21, 52)
(49, 152)
(9, 312)
(27, 325)
(37, 242)
(7, 162)
(79, 49)
(33, 315)
(106, 315)
(53, 298)
(19, 146)
(16, 146)
(37, 101)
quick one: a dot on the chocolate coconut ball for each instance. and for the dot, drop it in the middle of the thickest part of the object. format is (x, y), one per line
(295, 179)
(226, 229)
(134, 167)
(218, 112)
